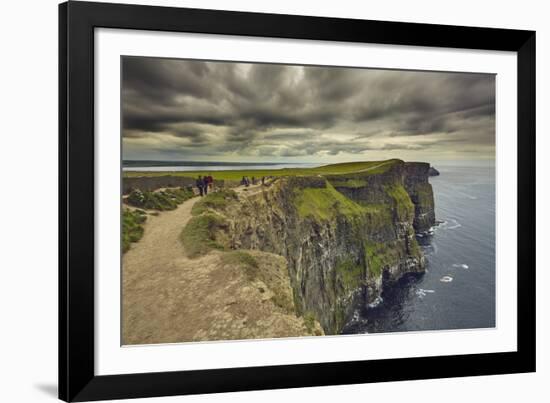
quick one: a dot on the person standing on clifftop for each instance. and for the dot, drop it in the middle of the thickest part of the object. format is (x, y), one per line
(210, 182)
(200, 184)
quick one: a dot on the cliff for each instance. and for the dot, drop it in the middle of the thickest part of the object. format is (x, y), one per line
(344, 236)
(433, 172)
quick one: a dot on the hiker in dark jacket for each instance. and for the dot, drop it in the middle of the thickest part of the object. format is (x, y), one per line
(200, 184)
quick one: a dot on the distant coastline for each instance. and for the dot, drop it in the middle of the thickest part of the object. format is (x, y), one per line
(164, 163)
(129, 166)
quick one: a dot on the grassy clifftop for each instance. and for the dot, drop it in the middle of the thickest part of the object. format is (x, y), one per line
(366, 167)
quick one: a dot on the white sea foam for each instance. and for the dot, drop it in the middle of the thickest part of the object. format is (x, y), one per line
(446, 279)
(376, 302)
(461, 266)
(455, 225)
(421, 293)
(356, 316)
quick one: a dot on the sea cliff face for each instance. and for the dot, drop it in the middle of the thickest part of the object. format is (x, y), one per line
(344, 237)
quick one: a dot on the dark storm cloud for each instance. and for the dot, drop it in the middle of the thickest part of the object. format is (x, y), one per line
(185, 108)
(163, 80)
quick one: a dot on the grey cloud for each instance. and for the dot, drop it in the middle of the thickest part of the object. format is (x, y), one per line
(174, 107)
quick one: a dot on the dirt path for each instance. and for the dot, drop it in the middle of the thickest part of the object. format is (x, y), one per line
(374, 167)
(244, 191)
(169, 298)
(147, 265)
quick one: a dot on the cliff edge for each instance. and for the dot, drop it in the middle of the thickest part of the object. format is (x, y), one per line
(343, 236)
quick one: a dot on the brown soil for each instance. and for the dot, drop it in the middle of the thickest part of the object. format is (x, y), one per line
(169, 298)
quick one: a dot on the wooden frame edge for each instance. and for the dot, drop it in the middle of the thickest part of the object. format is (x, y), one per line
(77, 380)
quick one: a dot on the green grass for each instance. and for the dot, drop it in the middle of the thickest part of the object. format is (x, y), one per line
(162, 200)
(199, 235)
(378, 215)
(369, 167)
(350, 273)
(347, 182)
(325, 203)
(244, 260)
(309, 321)
(414, 248)
(132, 229)
(215, 201)
(379, 256)
(424, 194)
(402, 202)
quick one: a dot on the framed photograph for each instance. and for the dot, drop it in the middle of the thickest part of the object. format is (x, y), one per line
(257, 201)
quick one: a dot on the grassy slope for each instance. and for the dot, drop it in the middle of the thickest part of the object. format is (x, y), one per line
(132, 228)
(372, 167)
(324, 203)
(199, 235)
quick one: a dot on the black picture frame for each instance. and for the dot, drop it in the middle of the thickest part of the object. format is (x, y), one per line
(77, 378)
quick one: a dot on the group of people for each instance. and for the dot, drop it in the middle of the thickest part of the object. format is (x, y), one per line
(204, 183)
(247, 182)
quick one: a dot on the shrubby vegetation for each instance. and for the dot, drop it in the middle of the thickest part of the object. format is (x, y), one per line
(132, 228)
(380, 256)
(350, 273)
(162, 200)
(199, 235)
(309, 321)
(216, 201)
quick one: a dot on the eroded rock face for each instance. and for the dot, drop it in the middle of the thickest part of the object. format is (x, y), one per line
(343, 236)
(421, 193)
(433, 172)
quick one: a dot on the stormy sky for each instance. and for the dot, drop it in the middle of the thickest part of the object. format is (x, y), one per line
(223, 111)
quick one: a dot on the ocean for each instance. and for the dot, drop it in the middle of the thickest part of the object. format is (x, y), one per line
(180, 166)
(458, 289)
